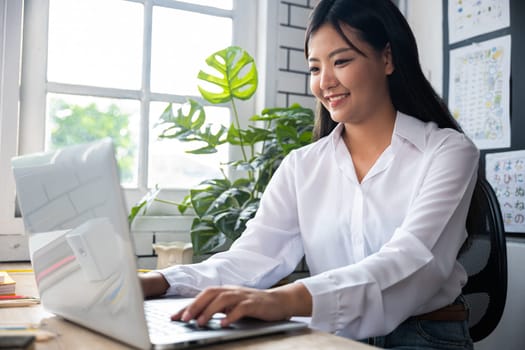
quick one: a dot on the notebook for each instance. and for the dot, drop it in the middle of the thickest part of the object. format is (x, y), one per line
(83, 258)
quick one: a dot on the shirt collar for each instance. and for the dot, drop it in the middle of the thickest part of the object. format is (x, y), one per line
(406, 127)
(410, 129)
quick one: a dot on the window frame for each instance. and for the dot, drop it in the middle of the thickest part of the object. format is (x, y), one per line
(13, 245)
(33, 95)
(10, 19)
(25, 61)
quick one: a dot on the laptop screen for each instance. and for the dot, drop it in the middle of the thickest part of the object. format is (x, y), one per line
(81, 250)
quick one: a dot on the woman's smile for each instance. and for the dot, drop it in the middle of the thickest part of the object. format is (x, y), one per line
(335, 100)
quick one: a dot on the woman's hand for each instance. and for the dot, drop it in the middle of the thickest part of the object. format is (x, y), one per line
(153, 284)
(236, 302)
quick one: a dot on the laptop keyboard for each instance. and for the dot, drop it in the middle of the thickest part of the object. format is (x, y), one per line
(160, 323)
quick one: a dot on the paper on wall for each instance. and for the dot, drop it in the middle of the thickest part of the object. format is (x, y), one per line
(479, 91)
(469, 18)
(505, 171)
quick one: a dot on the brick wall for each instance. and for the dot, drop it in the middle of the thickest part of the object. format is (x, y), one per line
(293, 76)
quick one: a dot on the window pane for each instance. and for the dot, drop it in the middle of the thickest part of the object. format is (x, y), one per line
(170, 165)
(222, 4)
(181, 41)
(78, 119)
(95, 42)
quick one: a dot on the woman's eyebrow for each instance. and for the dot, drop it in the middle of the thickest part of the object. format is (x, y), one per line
(333, 53)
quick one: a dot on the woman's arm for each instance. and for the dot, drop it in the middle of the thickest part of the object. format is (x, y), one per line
(153, 284)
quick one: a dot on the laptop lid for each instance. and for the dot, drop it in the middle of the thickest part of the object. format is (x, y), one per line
(80, 246)
(82, 252)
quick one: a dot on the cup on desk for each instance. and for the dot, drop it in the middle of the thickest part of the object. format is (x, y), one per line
(173, 253)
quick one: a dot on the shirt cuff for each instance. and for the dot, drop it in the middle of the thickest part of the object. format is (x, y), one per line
(325, 304)
(180, 282)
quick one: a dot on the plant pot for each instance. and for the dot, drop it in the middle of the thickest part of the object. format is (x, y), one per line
(173, 253)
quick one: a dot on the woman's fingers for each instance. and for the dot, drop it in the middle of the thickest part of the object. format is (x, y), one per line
(199, 305)
(217, 300)
(242, 309)
(178, 315)
(235, 302)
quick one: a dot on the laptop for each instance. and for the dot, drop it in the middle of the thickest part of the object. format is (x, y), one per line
(83, 256)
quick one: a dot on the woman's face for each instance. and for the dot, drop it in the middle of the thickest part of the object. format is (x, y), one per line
(351, 86)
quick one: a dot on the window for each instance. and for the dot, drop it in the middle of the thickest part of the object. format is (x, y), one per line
(110, 67)
(120, 62)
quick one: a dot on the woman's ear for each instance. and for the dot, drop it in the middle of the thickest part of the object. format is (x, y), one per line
(387, 58)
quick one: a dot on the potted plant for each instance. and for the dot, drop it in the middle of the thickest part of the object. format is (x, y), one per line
(222, 206)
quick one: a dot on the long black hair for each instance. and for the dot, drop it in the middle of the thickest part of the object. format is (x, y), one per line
(379, 23)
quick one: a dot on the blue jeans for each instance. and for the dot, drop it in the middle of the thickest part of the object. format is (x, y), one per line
(415, 334)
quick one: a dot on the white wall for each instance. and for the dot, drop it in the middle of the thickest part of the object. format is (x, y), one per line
(425, 17)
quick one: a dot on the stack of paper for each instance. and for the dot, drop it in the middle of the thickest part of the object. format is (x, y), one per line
(7, 284)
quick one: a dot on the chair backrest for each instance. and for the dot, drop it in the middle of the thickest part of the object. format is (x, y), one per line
(485, 260)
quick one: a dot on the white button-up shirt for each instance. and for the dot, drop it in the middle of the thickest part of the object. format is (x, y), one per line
(378, 251)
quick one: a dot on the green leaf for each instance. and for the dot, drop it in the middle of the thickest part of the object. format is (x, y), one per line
(185, 124)
(204, 197)
(235, 76)
(144, 204)
(205, 238)
(135, 210)
(185, 204)
(188, 125)
(225, 222)
(141, 208)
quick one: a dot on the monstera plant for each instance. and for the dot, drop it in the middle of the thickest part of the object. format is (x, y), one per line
(223, 205)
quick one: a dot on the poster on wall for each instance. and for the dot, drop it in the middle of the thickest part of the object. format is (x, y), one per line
(469, 18)
(479, 91)
(505, 171)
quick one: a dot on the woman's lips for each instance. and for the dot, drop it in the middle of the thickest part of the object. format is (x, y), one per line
(336, 100)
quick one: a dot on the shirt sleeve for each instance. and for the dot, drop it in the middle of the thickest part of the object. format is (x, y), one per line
(373, 296)
(268, 250)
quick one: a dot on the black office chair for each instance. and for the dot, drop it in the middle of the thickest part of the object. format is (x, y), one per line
(485, 259)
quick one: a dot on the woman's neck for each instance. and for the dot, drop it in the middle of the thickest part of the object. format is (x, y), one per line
(366, 141)
(372, 135)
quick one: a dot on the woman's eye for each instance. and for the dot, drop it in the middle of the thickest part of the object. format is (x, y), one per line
(342, 61)
(313, 70)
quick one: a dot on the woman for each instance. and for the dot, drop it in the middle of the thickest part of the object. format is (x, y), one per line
(377, 204)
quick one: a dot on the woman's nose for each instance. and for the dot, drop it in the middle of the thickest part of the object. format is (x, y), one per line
(327, 80)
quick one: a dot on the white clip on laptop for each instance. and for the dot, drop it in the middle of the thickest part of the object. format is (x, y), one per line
(83, 257)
